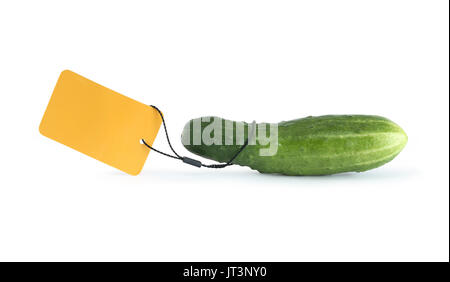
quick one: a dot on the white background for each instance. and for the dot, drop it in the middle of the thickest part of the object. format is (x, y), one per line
(242, 60)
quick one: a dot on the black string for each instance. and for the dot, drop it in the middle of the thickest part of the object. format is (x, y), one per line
(167, 136)
(186, 159)
(158, 151)
(231, 160)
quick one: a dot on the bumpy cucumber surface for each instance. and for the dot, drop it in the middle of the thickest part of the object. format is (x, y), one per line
(309, 146)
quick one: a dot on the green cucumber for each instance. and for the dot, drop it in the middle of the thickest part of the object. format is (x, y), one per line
(309, 146)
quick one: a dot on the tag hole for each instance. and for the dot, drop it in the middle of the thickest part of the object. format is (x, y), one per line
(141, 142)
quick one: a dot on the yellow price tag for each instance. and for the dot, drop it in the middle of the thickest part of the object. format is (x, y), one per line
(100, 122)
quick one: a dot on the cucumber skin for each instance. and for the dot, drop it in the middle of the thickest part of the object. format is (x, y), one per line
(320, 145)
